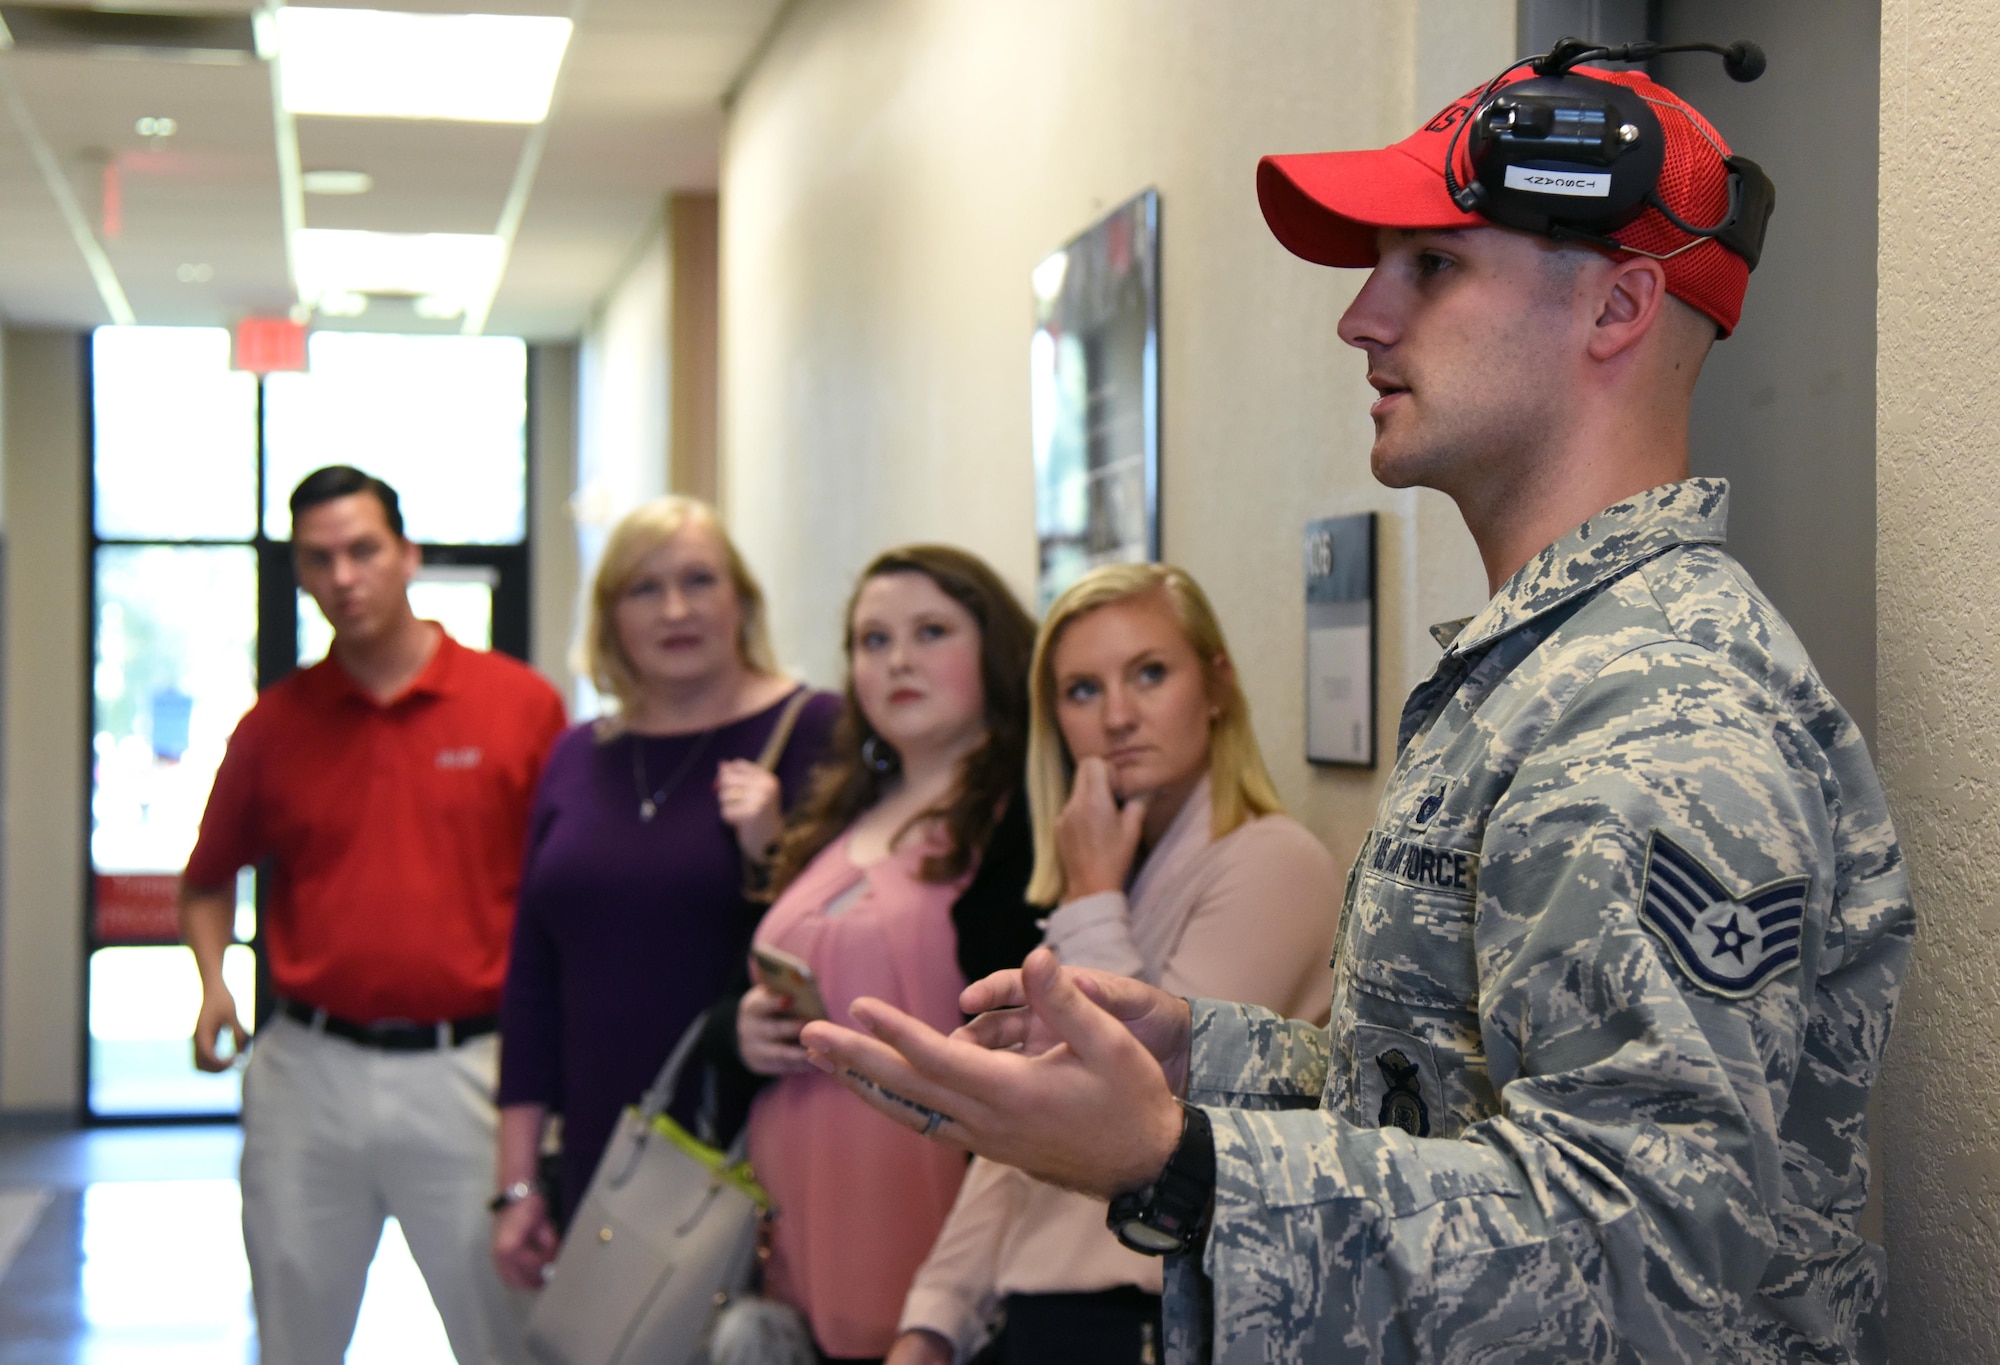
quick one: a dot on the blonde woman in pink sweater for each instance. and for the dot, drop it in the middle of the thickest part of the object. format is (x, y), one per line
(1160, 840)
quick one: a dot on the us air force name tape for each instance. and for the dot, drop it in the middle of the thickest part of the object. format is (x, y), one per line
(1424, 865)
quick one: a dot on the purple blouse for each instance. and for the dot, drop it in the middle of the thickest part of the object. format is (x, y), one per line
(628, 929)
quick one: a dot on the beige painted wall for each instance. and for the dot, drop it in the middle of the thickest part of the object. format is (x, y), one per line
(623, 408)
(1938, 540)
(552, 568)
(893, 170)
(42, 702)
(692, 224)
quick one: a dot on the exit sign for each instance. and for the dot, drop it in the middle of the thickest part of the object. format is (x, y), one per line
(268, 345)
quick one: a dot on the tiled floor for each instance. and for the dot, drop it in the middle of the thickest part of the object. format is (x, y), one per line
(129, 1250)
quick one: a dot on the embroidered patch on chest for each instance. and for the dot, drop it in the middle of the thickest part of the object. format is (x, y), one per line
(1395, 1081)
(1729, 945)
(1433, 800)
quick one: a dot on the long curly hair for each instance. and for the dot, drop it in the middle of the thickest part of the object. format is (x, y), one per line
(844, 785)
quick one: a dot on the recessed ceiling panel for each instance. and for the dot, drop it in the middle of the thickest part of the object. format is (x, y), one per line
(429, 177)
(197, 233)
(203, 196)
(228, 39)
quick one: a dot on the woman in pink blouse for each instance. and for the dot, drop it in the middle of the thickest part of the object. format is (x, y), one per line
(1162, 842)
(895, 880)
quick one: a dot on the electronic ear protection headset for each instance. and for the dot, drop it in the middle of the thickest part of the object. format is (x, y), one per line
(1566, 156)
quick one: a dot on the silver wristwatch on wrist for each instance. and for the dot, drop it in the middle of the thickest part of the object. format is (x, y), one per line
(513, 1194)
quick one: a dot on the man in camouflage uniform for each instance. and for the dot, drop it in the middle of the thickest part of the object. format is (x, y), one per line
(1620, 955)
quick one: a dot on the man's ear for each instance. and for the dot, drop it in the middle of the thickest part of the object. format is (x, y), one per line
(1633, 295)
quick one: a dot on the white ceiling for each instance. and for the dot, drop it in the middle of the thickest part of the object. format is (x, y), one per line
(637, 115)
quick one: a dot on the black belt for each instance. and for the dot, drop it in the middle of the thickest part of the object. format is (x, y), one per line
(393, 1035)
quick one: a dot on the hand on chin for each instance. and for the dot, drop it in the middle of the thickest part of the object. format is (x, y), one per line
(1128, 784)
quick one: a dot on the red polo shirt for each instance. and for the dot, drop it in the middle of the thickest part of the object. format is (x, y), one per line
(395, 832)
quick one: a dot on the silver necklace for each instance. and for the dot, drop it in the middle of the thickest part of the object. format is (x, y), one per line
(650, 802)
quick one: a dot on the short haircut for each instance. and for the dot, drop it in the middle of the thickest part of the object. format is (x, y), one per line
(1240, 787)
(599, 655)
(344, 481)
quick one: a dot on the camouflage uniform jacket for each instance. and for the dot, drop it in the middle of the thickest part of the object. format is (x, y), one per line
(1615, 975)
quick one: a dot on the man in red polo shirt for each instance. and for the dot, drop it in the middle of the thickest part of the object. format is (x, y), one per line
(387, 789)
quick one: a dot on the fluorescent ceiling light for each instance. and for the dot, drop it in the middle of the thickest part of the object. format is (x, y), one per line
(336, 182)
(368, 63)
(449, 272)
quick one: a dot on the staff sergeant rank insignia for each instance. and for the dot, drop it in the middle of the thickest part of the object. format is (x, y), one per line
(1729, 945)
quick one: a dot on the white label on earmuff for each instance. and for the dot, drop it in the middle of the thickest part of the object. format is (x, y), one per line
(1583, 184)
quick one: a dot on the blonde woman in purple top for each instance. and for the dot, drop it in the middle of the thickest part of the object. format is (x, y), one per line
(1161, 841)
(632, 918)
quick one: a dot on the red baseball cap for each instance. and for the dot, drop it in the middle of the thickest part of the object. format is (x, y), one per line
(1326, 206)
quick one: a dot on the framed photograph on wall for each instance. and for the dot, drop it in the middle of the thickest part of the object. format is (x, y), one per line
(1340, 640)
(1095, 395)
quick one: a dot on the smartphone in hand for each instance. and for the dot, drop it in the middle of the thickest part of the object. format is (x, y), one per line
(780, 973)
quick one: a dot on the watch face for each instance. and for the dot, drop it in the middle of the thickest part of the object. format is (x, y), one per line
(1142, 1237)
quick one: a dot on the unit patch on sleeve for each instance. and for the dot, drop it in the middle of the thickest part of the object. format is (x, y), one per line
(1727, 944)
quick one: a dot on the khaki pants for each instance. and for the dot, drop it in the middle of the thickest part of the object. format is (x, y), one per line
(337, 1137)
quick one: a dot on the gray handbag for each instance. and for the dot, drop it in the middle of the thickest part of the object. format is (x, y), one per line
(665, 1236)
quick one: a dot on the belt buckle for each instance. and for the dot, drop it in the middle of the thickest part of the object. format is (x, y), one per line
(396, 1035)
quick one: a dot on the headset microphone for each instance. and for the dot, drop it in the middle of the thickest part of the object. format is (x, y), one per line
(1569, 156)
(1744, 61)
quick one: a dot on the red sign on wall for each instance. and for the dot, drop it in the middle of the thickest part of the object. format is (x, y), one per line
(138, 908)
(268, 345)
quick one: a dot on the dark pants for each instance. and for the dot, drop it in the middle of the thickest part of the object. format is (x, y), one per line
(1111, 1327)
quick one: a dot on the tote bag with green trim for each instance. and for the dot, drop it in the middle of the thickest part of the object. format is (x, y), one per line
(665, 1236)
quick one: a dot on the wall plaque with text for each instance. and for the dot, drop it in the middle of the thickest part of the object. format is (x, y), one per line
(1340, 640)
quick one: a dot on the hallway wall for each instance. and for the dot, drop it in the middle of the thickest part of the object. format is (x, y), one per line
(892, 172)
(553, 570)
(42, 688)
(1938, 539)
(1786, 408)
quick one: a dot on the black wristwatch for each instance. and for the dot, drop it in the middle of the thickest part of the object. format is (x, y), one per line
(1166, 1218)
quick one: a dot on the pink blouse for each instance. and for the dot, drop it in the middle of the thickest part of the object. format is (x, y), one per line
(858, 1198)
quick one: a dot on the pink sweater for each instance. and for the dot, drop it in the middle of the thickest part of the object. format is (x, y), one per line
(859, 1199)
(1250, 917)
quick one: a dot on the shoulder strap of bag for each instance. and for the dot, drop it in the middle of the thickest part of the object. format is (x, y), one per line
(781, 733)
(661, 1093)
(654, 1103)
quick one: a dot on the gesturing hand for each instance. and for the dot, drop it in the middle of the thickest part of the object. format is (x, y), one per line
(1091, 1112)
(1161, 1022)
(1096, 838)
